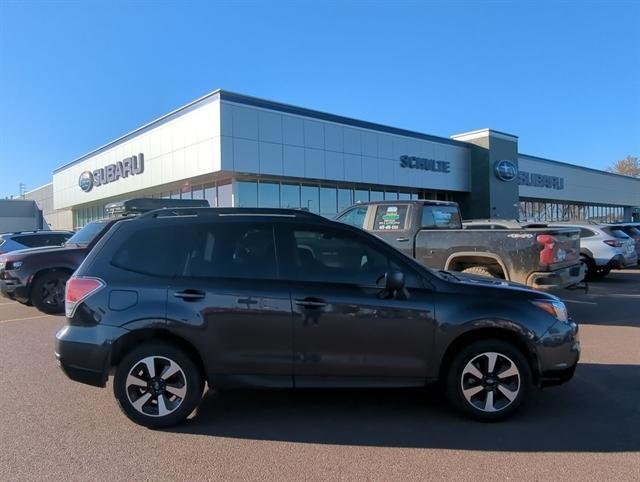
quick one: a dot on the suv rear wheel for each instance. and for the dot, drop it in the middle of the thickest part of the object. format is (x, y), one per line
(488, 380)
(47, 293)
(157, 385)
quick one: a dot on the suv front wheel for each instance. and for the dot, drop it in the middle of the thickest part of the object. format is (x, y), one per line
(488, 380)
(157, 385)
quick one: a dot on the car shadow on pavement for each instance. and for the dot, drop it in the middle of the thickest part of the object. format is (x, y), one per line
(598, 411)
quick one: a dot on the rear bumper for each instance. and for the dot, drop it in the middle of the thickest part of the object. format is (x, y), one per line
(84, 353)
(619, 261)
(561, 278)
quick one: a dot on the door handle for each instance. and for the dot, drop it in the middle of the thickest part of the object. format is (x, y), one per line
(189, 295)
(310, 303)
(402, 240)
(246, 301)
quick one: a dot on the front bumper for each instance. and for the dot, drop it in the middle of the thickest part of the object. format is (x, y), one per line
(84, 352)
(13, 287)
(561, 278)
(558, 353)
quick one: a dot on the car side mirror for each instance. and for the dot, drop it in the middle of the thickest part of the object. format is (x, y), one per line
(394, 286)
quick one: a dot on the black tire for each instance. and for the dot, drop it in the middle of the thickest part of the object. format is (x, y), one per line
(190, 380)
(457, 377)
(47, 293)
(480, 271)
(591, 267)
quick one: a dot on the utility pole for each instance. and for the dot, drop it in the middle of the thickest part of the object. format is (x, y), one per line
(23, 189)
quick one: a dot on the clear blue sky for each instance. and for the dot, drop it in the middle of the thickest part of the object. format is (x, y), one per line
(564, 76)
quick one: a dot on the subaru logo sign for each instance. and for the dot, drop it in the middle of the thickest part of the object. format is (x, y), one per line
(86, 181)
(505, 170)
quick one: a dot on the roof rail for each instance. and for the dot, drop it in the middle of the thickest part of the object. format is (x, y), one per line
(228, 211)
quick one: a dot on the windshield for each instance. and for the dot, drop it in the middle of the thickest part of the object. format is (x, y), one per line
(87, 234)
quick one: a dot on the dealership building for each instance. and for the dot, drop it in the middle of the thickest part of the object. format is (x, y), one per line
(235, 150)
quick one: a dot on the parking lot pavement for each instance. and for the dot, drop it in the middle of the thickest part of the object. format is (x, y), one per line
(588, 429)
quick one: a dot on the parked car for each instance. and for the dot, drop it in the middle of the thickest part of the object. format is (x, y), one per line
(431, 232)
(38, 276)
(32, 239)
(603, 248)
(632, 230)
(284, 298)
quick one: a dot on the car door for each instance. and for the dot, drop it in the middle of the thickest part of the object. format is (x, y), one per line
(231, 287)
(344, 333)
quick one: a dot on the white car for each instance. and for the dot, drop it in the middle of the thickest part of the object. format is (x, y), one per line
(603, 248)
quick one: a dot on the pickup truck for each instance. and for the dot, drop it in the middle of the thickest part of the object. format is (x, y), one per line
(432, 232)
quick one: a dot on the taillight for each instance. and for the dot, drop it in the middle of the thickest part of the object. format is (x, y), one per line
(79, 289)
(614, 242)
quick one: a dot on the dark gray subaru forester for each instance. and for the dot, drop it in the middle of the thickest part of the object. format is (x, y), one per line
(281, 298)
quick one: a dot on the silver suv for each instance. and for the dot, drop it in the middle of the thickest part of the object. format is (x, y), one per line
(603, 248)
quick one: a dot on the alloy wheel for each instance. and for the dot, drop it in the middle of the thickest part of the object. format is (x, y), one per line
(156, 386)
(490, 382)
(53, 292)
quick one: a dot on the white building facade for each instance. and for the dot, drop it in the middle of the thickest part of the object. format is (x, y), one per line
(235, 150)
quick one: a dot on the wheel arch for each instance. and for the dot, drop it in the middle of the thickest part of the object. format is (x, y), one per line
(489, 333)
(42, 272)
(133, 339)
(477, 258)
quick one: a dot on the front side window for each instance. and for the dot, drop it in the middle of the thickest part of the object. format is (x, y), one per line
(235, 250)
(354, 217)
(332, 256)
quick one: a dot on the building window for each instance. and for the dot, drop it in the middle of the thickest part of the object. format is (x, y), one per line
(246, 194)
(225, 196)
(361, 196)
(290, 196)
(310, 198)
(328, 201)
(268, 195)
(345, 198)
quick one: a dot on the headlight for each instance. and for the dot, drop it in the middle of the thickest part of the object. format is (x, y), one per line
(557, 309)
(14, 265)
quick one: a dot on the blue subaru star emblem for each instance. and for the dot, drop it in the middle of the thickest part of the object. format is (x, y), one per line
(505, 170)
(85, 181)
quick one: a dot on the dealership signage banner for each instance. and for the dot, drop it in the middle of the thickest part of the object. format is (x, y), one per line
(130, 166)
(425, 164)
(540, 180)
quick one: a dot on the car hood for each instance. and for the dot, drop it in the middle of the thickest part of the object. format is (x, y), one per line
(497, 284)
(27, 252)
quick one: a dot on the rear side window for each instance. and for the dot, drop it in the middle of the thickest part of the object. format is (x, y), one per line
(616, 233)
(390, 217)
(37, 240)
(155, 251)
(440, 217)
(586, 233)
(354, 217)
(234, 250)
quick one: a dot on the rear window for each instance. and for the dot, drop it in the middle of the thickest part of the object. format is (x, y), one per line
(155, 251)
(88, 233)
(390, 217)
(441, 217)
(616, 233)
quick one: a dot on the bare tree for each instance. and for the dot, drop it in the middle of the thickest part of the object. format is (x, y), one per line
(629, 166)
